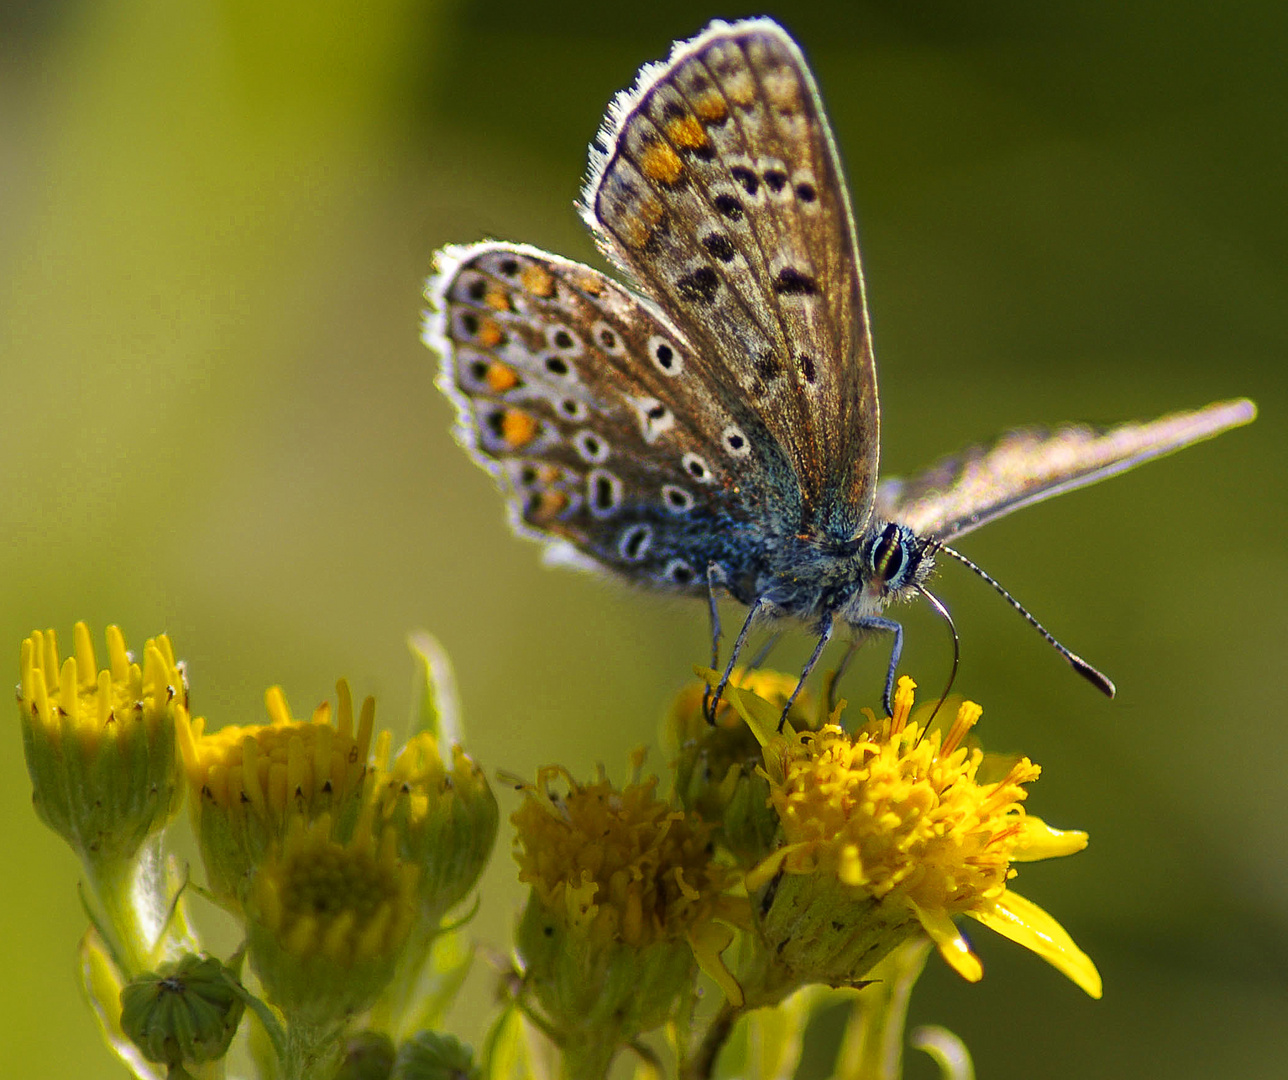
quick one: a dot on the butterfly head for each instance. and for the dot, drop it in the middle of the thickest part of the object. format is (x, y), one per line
(891, 560)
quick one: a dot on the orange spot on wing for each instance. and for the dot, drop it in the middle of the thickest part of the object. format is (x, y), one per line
(588, 283)
(711, 108)
(547, 505)
(490, 334)
(659, 162)
(501, 378)
(686, 133)
(498, 298)
(517, 428)
(637, 229)
(537, 280)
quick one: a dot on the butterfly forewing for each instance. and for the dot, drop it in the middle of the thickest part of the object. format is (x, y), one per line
(570, 390)
(981, 483)
(715, 182)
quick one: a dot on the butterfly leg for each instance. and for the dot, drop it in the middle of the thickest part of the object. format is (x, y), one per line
(823, 639)
(756, 609)
(713, 610)
(889, 626)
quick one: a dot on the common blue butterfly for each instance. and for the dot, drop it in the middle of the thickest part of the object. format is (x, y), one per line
(716, 425)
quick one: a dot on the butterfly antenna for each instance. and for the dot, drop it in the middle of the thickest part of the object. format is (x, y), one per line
(943, 613)
(1097, 679)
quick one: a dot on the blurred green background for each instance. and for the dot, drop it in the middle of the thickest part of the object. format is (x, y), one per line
(219, 423)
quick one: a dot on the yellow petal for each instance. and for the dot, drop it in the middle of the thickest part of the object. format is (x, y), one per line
(1027, 924)
(1038, 840)
(759, 714)
(708, 941)
(952, 946)
(770, 865)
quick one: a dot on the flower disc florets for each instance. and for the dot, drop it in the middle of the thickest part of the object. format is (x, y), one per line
(249, 782)
(326, 920)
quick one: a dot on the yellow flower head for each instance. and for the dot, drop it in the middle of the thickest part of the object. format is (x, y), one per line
(100, 745)
(326, 920)
(249, 782)
(444, 819)
(625, 896)
(890, 831)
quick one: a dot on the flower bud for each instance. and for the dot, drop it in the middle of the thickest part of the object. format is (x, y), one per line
(248, 783)
(717, 764)
(368, 1055)
(444, 819)
(185, 1013)
(429, 1055)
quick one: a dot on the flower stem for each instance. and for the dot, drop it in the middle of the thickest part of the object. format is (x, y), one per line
(702, 1065)
(873, 1045)
(312, 1050)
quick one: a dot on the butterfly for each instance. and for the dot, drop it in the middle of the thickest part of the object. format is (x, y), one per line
(714, 426)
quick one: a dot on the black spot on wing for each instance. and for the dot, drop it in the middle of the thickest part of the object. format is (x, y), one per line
(793, 282)
(699, 286)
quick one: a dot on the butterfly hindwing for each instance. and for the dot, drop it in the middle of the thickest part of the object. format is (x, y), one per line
(570, 390)
(967, 489)
(716, 183)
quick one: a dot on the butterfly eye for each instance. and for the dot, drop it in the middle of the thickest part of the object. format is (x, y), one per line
(889, 556)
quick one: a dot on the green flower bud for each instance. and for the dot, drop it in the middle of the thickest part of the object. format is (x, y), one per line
(368, 1055)
(445, 820)
(185, 1013)
(429, 1055)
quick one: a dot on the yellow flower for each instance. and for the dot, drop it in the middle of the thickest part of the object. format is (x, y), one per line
(626, 902)
(889, 832)
(100, 745)
(249, 782)
(326, 919)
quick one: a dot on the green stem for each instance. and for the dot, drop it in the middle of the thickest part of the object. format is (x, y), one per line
(873, 1044)
(312, 1050)
(703, 1064)
(587, 1060)
(129, 906)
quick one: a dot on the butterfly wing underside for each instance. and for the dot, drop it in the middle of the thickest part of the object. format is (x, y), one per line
(966, 490)
(569, 390)
(716, 184)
